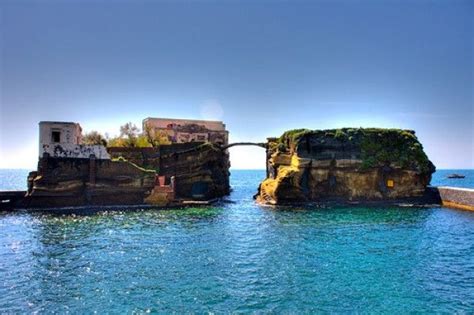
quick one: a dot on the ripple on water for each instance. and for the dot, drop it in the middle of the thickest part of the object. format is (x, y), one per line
(239, 257)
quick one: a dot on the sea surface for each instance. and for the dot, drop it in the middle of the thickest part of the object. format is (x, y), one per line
(237, 256)
(15, 179)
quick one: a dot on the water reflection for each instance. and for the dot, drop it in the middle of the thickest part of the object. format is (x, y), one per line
(239, 257)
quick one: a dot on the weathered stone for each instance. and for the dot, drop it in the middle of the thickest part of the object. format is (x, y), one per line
(64, 182)
(454, 197)
(345, 164)
(201, 170)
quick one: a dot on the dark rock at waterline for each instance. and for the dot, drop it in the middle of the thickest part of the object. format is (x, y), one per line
(345, 164)
(201, 171)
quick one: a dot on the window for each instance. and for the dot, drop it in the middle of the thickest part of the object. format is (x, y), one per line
(56, 136)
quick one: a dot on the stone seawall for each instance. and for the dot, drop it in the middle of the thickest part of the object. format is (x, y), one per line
(201, 170)
(460, 198)
(66, 182)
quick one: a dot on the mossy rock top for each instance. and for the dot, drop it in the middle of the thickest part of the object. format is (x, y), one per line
(377, 146)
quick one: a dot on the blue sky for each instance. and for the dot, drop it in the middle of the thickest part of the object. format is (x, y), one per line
(262, 67)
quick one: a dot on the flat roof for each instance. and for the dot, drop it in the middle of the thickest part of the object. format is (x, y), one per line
(58, 122)
(184, 119)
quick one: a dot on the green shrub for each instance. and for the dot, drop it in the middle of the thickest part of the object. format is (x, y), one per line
(378, 146)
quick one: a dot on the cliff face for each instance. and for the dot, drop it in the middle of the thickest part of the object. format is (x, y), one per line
(345, 165)
(201, 171)
(65, 182)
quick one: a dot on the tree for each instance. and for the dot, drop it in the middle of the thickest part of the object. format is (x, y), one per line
(130, 137)
(130, 132)
(142, 142)
(117, 142)
(156, 137)
(94, 138)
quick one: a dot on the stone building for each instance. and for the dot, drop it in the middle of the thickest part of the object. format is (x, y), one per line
(186, 130)
(60, 132)
(64, 139)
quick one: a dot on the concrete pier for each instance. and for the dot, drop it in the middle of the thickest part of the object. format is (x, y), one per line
(9, 199)
(459, 198)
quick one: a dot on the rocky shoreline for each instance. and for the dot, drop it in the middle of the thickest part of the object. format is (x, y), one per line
(167, 176)
(349, 165)
(361, 166)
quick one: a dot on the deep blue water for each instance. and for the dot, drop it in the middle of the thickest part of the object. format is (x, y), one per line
(15, 179)
(237, 256)
(440, 178)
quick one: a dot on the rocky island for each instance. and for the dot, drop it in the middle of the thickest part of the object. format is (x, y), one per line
(348, 164)
(176, 162)
(173, 161)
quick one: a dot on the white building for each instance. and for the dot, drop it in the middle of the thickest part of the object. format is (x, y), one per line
(64, 139)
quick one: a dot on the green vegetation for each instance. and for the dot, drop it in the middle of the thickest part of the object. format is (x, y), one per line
(202, 147)
(122, 159)
(94, 138)
(119, 159)
(378, 146)
(156, 137)
(293, 135)
(401, 147)
(139, 142)
(130, 137)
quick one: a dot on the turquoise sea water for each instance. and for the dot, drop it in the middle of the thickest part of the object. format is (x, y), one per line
(237, 256)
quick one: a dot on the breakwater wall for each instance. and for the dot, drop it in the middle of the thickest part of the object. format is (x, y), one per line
(459, 198)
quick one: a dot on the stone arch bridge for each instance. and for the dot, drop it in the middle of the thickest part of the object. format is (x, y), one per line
(258, 144)
(263, 145)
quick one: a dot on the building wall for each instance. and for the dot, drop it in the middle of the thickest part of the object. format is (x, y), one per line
(183, 131)
(78, 151)
(64, 139)
(164, 122)
(70, 133)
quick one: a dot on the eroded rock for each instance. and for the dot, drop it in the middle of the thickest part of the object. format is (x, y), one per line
(201, 170)
(346, 165)
(66, 182)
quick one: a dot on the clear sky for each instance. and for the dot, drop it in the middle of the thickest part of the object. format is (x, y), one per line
(261, 67)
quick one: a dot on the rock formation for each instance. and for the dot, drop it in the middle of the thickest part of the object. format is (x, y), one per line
(345, 165)
(201, 170)
(65, 182)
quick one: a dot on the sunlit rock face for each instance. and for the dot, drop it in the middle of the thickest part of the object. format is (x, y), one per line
(66, 182)
(345, 165)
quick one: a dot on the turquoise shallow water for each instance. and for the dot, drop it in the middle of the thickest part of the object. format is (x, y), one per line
(237, 256)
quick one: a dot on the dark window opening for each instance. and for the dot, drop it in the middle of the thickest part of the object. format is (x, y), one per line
(56, 136)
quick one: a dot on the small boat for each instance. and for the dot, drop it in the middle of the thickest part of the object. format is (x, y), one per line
(456, 176)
